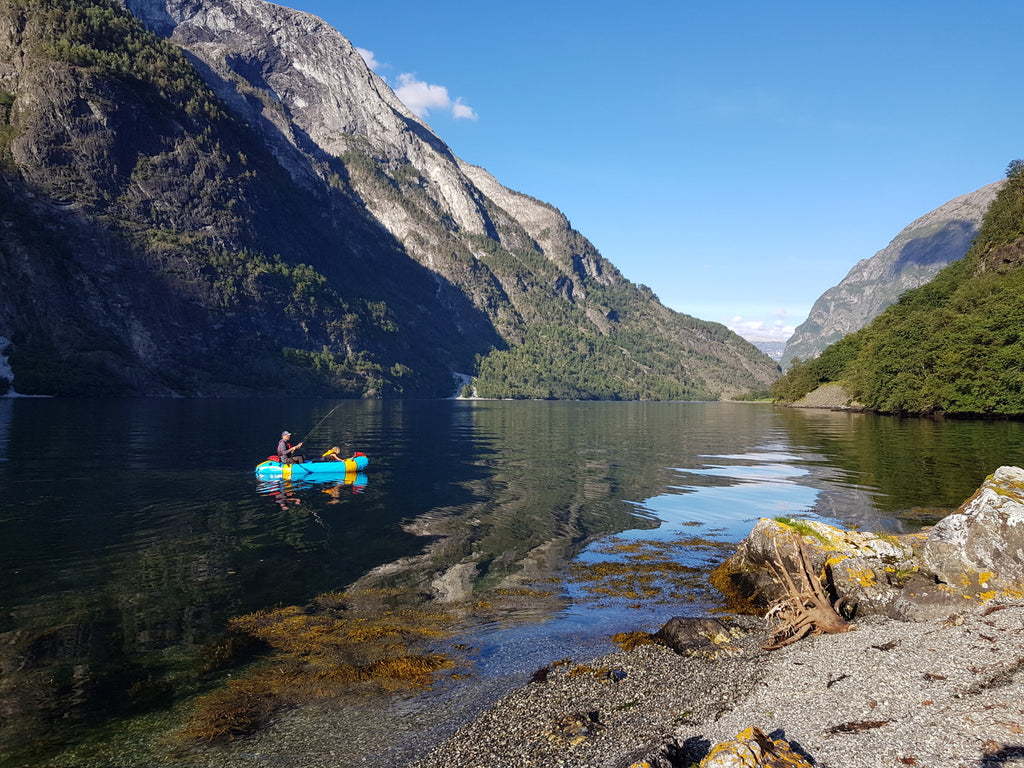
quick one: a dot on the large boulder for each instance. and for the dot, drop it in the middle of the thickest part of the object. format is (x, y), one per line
(979, 549)
(865, 569)
(975, 553)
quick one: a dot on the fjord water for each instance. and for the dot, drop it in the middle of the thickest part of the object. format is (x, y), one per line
(131, 530)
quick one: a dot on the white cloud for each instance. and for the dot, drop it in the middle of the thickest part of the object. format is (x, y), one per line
(369, 58)
(761, 330)
(463, 111)
(421, 97)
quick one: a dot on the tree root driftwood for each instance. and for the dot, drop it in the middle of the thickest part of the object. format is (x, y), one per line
(805, 609)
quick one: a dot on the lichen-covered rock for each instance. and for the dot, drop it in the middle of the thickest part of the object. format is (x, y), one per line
(979, 549)
(864, 568)
(975, 553)
(752, 748)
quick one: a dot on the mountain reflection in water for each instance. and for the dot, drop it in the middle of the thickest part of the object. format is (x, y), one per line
(134, 531)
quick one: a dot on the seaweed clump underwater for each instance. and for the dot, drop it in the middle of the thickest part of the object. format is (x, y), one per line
(326, 650)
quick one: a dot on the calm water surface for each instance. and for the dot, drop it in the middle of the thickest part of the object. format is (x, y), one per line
(130, 531)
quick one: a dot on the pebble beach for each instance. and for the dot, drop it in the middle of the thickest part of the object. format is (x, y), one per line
(945, 693)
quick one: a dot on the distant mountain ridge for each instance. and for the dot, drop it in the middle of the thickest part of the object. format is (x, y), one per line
(914, 257)
(774, 349)
(297, 229)
(951, 346)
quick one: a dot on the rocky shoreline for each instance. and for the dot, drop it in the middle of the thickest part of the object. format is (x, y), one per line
(943, 693)
(928, 674)
(830, 396)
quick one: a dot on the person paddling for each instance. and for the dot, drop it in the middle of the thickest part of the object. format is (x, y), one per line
(286, 451)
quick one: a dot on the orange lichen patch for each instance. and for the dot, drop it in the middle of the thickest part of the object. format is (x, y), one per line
(863, 576)
(753, 746)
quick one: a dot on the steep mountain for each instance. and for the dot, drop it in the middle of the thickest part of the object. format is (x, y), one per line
(913, 258)
(953, 345)
(231, 202)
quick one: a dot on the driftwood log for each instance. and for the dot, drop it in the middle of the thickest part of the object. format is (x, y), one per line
(805, 608)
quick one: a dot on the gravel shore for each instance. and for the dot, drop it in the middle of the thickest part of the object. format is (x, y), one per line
(945, 693)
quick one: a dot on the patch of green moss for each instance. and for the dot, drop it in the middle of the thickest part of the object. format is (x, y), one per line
(803, 528)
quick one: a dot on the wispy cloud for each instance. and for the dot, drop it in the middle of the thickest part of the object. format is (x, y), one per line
(422, 97)
(369, 58)
(419, 96)
(463, 111)
(762, 330)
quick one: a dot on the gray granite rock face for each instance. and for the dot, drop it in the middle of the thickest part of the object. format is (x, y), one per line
(979, 549)
(305, 79)
(307, 90)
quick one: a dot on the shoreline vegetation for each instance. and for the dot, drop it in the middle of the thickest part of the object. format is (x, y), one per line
(951, 346)
(835, 396)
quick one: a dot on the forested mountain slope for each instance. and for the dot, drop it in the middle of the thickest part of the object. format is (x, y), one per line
(954, 345)
(914, 257)
(244, 208)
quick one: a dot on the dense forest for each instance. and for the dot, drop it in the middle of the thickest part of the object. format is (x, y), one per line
(954, 345)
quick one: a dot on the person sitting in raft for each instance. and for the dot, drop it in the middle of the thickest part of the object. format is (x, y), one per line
(286, 451)
(334, 454)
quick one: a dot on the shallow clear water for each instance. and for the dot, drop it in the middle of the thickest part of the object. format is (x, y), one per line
(131, 530)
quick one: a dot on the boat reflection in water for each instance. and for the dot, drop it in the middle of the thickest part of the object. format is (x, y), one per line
(282, 481)
(288, 493)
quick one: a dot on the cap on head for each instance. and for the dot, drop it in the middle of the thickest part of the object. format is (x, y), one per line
(286, 433)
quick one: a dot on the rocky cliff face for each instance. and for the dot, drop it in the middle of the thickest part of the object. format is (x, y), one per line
(912, 259)
(263, 214)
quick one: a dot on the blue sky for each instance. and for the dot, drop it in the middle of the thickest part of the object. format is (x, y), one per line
(737, 157)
